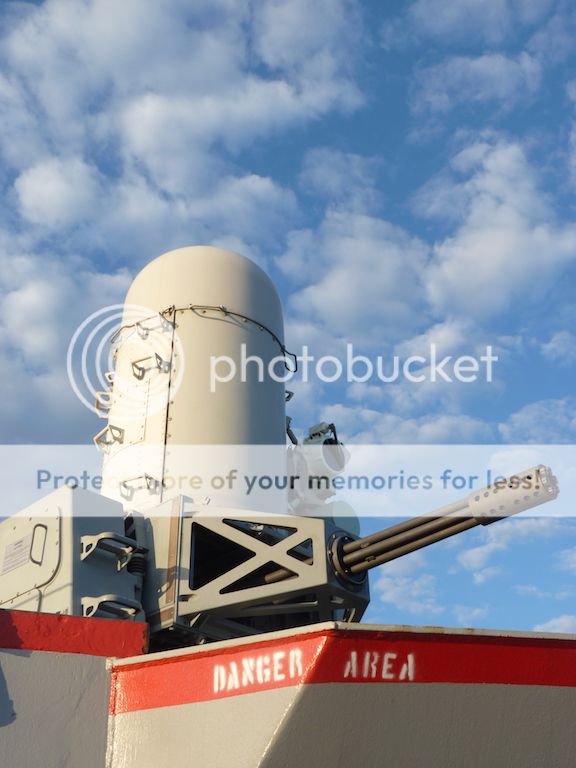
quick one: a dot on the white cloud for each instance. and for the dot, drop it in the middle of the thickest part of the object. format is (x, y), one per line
(545, 421)
(72, 57)
(245, 212)
(506, 225)
(484, 574)
(468, 80)
(567, 558)
(499, 536)
(122, 135)
(339, 176)
(303, 37)
(40, 310)
(561, 624)
(237, 205)
(561, 348)
(126, 139)
(475, 558)
(553, 41)
(452, 338)
(58, 193)
(399, 585)
(469, 616)
(40, 314)
(366, 426)
(122, 138)
(169, 96)
(22, 143)
(489, 21)
(532, 590)
(173, 135)
(364, 282)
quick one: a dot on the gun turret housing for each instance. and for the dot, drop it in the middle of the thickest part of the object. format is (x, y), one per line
(207, 569)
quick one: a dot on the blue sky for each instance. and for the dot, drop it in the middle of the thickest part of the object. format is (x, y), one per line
(405, 174)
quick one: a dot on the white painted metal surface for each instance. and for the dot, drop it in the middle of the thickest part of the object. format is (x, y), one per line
(53, 710)
(67, 554)
(215, 306)
(292, 699)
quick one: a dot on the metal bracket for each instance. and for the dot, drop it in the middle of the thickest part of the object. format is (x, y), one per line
(103, 403)
(117, 605)
(164, 325)
(131, 484)
(139, 371)
(108, 436)
(120, 546)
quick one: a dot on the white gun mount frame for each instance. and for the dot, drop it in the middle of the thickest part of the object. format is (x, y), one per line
(227, 573)
(215, 577)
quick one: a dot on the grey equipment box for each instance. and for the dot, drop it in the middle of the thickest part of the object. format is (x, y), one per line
(67, 553)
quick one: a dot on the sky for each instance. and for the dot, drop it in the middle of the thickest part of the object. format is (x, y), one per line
(404, 172)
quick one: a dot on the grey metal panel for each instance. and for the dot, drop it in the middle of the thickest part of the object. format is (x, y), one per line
(230, 733)
(53, 710)
(413, 725)
(444, 725)
(340, 725)
(63, 576)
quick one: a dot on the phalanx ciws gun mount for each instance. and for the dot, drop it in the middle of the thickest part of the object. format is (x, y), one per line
(194, 320)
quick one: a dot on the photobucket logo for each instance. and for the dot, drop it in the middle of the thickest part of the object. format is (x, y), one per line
(355, 369)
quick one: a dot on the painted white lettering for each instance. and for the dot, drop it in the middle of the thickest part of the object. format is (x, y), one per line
(369, 669)
(219, 678)
(259, 670)
(408, 668)
(278, 665)
(248, 671)
(263, 669)
(351, 666)
(295, 662)
(233, 678)
(388, 666)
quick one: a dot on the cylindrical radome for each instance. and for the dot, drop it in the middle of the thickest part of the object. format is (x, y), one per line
(201, 326)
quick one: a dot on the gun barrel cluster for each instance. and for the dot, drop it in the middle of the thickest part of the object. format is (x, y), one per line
(525, 490)
(515, 494)
(423, 532)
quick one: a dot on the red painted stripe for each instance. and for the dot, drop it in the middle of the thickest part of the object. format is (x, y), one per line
(187, 679)
(335, 656)
(29, 631)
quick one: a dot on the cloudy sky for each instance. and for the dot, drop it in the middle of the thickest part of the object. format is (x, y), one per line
(406, 176)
